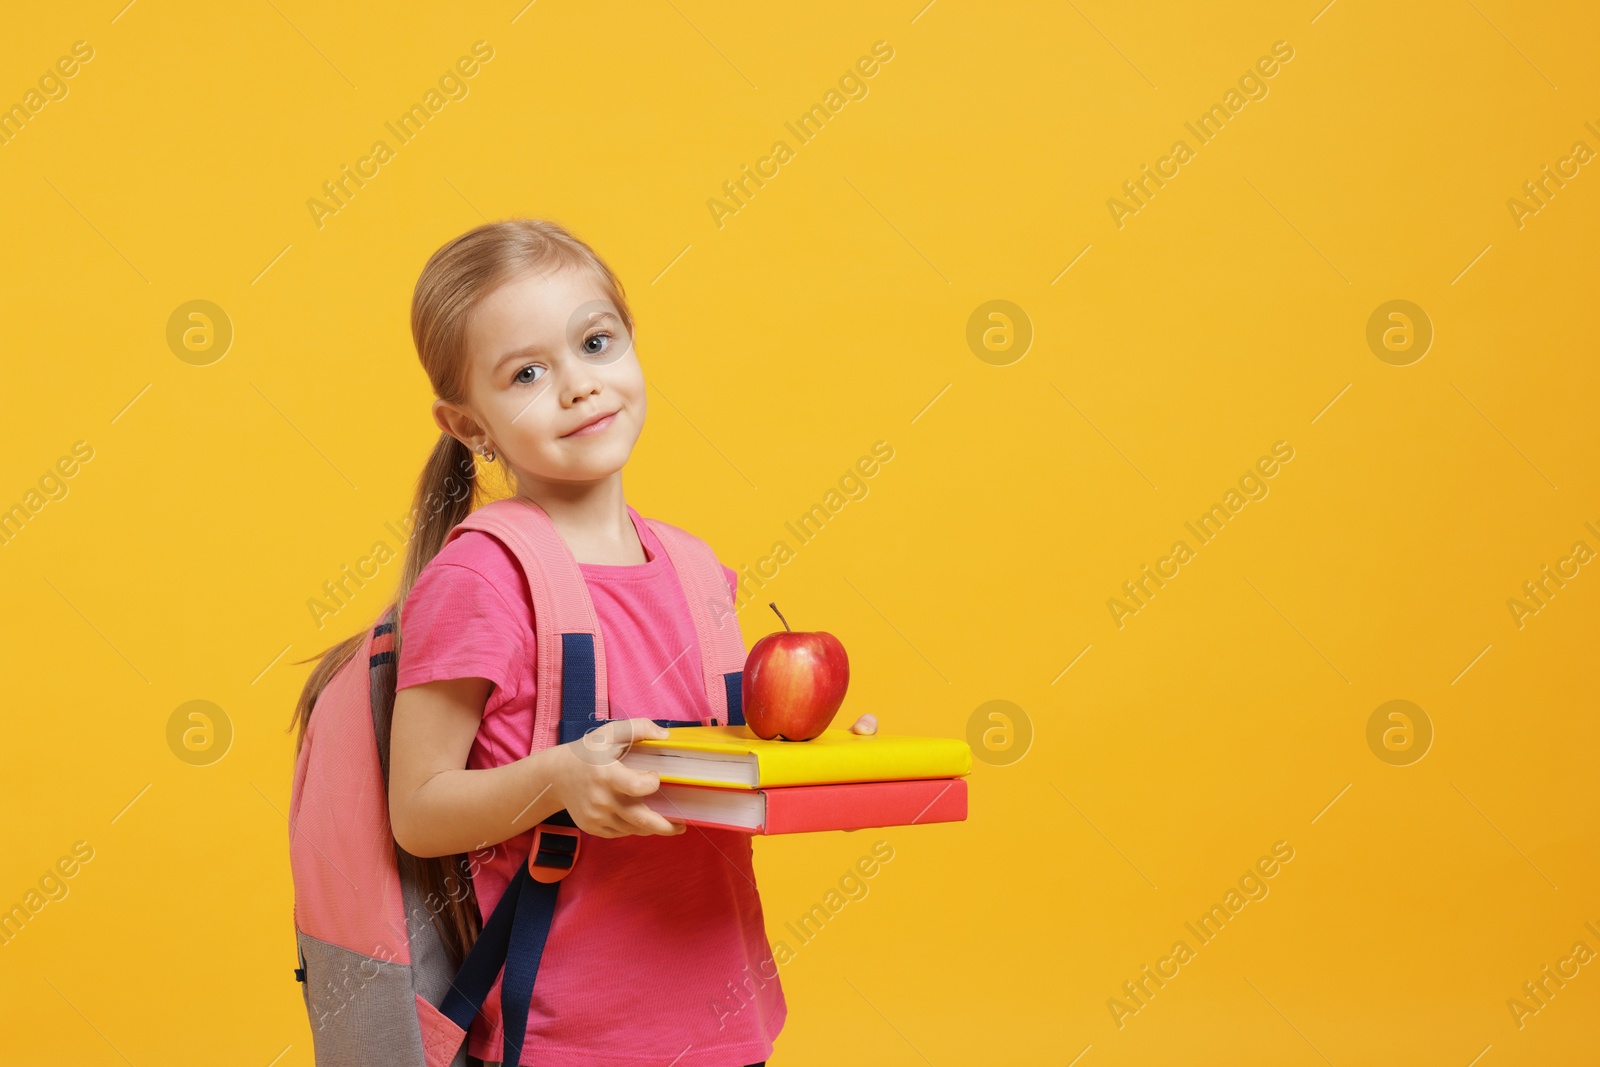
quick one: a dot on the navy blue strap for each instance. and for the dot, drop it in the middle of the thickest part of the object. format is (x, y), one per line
(578, 682)
(733, 682)
(733, 685)
(536, 906)
(513, 938)
(482, 965)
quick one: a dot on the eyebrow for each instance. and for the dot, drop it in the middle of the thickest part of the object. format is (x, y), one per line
(520, 353)
(535, 349)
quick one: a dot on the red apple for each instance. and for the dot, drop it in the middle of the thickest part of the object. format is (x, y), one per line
(794, 683)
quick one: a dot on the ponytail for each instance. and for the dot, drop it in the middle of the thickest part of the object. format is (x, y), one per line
(445, 492)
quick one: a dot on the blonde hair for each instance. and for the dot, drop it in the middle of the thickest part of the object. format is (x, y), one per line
(453, 283)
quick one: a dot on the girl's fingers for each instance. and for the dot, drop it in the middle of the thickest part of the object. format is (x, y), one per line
(866, 724)
(627, 731)
(635, 783)
(608, 743)
(602, 821)
(643, 820)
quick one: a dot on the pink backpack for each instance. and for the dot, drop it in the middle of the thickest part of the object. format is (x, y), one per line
(376, 977)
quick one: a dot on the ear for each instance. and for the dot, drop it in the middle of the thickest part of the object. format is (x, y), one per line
(456, 421)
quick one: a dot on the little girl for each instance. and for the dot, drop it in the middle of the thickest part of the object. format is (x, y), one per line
(657, 953)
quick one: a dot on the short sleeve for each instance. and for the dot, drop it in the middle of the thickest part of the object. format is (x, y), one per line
(733, 581)
(457, 624)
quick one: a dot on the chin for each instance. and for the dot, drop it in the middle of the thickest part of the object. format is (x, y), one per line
(601, 462)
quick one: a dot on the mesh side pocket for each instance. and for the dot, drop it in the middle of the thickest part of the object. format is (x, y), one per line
(363, 1011)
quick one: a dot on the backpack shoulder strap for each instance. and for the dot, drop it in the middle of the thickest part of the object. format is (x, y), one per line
(571, 682)
(570, 655)
(705, 587)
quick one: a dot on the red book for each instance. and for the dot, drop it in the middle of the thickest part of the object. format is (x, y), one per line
(796, 809)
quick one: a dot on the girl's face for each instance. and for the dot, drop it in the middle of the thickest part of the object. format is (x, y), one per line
(553, 383)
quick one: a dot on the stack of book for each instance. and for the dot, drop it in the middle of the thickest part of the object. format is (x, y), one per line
(727, 777)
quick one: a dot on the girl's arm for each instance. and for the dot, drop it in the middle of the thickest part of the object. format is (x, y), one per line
(438, 807)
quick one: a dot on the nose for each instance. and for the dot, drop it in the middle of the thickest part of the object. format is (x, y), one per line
(581, 381)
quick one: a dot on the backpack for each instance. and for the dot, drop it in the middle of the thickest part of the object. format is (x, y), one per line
(376, 977)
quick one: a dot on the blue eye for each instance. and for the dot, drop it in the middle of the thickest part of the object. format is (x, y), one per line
(522, 377)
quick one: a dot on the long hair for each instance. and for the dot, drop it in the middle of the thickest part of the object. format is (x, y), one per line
(453, 283)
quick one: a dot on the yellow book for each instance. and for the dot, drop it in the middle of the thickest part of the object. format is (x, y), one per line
(734, 757)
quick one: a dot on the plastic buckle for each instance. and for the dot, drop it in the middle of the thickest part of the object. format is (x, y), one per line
(555, 850)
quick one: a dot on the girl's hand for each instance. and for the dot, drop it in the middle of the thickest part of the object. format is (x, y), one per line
(601, 794)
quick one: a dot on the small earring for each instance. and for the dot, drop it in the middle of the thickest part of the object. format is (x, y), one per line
(487, 453)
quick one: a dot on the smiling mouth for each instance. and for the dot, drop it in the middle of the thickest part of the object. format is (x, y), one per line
(597, 425)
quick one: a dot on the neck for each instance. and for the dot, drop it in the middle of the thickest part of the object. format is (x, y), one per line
(592, 518)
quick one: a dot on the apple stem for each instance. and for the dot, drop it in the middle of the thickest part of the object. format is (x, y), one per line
(781, 619)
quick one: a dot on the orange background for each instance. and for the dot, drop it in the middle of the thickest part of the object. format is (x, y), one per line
(831, 311)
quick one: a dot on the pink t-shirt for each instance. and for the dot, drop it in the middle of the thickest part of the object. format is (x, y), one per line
(658, 951)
